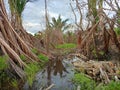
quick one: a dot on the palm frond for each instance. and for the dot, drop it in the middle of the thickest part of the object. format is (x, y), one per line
(59, 24)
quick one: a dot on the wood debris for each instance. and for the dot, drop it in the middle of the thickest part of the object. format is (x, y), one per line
(98, 70)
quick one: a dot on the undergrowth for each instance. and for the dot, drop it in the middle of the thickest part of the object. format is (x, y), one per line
(66, 46)
(117, 31)
(3, 63)
(86, 83)
(43, 58)
(31, 71)
(33, 68)
(4, 77)
(111, 86)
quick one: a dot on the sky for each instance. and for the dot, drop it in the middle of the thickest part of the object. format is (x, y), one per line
(33, 15)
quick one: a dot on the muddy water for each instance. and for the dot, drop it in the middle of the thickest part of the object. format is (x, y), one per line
(57, 72)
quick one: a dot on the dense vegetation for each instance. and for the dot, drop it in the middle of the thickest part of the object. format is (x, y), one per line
(96, 37)
(86, 83)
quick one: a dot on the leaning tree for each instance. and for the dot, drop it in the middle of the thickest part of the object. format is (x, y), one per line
(16, 9)
(12, 45)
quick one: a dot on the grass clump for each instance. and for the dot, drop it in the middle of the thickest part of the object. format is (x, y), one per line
(31, 71)
(111, 86)
(43, 57)
(84, 82)
(66, 46)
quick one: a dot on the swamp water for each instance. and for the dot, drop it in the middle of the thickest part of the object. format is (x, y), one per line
(57, 72)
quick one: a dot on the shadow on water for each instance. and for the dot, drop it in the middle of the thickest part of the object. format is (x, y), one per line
(58, 72)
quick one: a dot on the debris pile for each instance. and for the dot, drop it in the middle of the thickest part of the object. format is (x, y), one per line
(98, 70)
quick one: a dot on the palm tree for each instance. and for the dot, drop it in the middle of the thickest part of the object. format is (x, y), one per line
(59, 24)
(17, 7)
(12, 45)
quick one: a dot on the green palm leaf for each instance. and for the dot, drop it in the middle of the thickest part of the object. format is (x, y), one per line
(59, 24)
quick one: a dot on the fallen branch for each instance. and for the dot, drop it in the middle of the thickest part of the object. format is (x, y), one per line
(50, 87)
(104, 75)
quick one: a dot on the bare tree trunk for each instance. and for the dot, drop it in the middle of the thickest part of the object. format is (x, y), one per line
(47, 28)
(106, 40)
(79, 38)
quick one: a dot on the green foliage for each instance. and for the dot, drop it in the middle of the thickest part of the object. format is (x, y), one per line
(92, 9)
(34, 50)
(17, 6)
(88, 84)
(59, 24)
(66, 46)
(3, 80)
(14, 83)
(43, 58)
(7, 82)
(117, 31)
(84, 82)
(31, 71)
(111, 86)
(3, 63)
(23, 57)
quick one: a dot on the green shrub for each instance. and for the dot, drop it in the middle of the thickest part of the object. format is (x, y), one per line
(66, 46)
(31, 71)
(111, 86)
(88, 84)
(3, 62)
(84, 82)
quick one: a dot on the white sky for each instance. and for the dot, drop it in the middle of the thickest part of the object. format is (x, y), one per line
(33, 15)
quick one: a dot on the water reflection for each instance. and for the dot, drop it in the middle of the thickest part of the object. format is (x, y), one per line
(58, 72)
(56, 66)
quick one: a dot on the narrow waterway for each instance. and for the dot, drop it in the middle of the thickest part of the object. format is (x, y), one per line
(58, 72)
